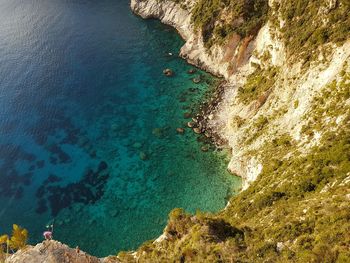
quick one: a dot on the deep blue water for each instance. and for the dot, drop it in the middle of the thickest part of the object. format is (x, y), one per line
(88, 125)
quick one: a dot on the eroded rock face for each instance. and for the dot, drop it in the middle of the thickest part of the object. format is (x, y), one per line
(51, 251)
(218, 60)
(168, 12)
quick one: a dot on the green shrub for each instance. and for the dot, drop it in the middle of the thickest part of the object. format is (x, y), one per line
(206, 12)
(257, 84)
(302, 37)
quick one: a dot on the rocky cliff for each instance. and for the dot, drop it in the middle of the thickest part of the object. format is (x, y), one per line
(285, 113)
(220, 60)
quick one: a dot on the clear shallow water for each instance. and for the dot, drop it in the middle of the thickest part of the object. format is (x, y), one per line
(83, 102)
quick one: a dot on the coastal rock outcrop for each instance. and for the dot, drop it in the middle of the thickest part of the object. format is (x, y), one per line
(219, 60)
(51, 251)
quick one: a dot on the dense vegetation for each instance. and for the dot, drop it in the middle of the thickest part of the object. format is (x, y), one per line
(310, 24)
(304, 25)
(257, 85)
(218, 19)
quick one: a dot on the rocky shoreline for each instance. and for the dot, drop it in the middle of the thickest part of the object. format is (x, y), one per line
(170, 13)
(216, 62)
(200, 123)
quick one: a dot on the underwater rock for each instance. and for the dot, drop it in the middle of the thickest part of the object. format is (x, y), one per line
(157, 132)
(27, 179)
(180, 130)
(182, 98)
(42, 207)
(102, 166)
(40, 192)
(197, 130)
(196, 80)
(115, 127)
(87, 191)
(205, 148)
(53, 179)
(187, 115)
(91, 221)
(191, 124)
(83, 141)
(93, 154)
(143, 156)
(137, 145)
(168, 72)
(191, 71)
(19, 192)
(59, 153)
(113, 212)
(11, 181)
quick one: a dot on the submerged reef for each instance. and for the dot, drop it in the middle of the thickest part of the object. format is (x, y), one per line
(87, 191)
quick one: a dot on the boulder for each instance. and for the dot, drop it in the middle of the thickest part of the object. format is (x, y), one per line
(187, 115)
(180, 130)
(191, 124)
(205, 148)
(196, 80)
(191, 71)
(197, 130)
(143, 156)
(168, 72)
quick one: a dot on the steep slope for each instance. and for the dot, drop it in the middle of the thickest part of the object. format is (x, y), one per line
(221, 58)
(285, 113)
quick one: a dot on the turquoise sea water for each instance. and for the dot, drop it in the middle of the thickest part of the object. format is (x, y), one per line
(88, 125)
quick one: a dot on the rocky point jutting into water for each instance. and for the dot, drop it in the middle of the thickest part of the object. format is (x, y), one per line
(285, 113)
